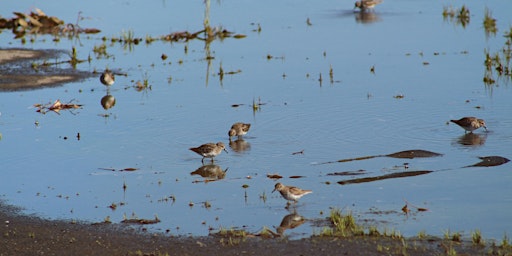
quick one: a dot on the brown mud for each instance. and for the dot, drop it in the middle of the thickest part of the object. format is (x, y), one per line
(22, 69)
(30, 235)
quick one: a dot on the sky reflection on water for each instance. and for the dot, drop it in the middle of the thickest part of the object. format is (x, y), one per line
(437, 67)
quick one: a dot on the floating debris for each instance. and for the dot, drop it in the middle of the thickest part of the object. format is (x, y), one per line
(37, 22)
(56, 106)
(129, 169)
(274, 176)
(410, 154)
(209, 33)
(141, 221)
(298, 152)
(347, 173)
(407, 208)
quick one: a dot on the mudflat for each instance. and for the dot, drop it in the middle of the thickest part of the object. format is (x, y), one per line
(31, 235)
(20, 69)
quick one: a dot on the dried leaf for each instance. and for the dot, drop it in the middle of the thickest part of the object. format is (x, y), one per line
(22, 22)
(39, 12)
(34, 22)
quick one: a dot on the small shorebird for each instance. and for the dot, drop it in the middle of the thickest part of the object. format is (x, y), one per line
(290, 193)
(209, 150)
(107, 78)
(364, 5)
(470, 123)
(238, 129)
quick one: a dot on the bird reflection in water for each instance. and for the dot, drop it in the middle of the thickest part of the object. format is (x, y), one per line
(108, 101)
(290, 221)
(472, 139)
(210, 172)
(239, 145)
(366, 17)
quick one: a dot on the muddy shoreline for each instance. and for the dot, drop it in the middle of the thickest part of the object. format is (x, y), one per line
(31, 235)
(22, 69)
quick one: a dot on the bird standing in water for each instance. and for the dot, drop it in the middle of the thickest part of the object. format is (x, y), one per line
(469, 124)
(238, 129)
(364, 5)
(209, 150)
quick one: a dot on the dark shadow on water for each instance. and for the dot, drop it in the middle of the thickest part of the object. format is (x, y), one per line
(408, 154)
(488, 161)
(384, 177)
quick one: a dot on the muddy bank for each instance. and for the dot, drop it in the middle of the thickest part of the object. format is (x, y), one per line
(22, 69)
(30, 235)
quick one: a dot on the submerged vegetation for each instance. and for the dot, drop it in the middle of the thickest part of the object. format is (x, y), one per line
(460, 16)
(497, 64)
(341, 225)
(489, 24)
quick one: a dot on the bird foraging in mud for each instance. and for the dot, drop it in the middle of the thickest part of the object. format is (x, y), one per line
(209, 150)
(239, 129)
(469, 124)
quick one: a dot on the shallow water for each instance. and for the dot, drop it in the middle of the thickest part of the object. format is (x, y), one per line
(355, 115)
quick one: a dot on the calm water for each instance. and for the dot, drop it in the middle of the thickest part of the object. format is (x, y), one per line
(355, 115)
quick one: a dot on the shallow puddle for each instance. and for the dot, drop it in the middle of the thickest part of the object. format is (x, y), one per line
(318, 84)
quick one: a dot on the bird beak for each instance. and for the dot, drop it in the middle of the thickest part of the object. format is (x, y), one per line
(273, 190)
(226, 151)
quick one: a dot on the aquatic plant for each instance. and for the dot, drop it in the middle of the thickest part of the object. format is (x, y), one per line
(499, 62)
(460, 16)
(463, 16)
(476, 237)
(343, 225)
(489, 24)
(505, 241)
